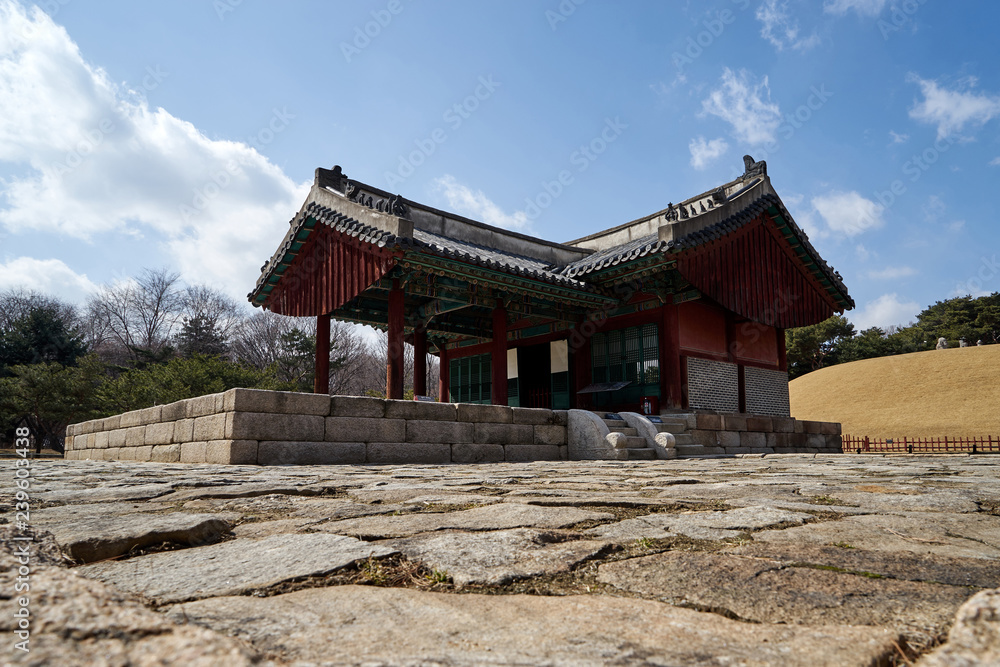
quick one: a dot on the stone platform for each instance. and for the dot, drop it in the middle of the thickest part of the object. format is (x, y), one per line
(247, 426)
(751, 560)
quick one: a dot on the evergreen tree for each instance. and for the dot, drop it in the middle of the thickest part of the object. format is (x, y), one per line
(41, 336)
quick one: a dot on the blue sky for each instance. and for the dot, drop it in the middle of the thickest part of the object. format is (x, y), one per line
(185, 134)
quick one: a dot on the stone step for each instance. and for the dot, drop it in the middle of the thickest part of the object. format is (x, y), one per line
(613, 423)
(627, 430)
(636, 442)
(668, 427)
(684, 439)
(642, 454)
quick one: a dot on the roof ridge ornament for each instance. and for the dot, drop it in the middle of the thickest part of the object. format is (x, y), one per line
(754, 168)
(671, 213)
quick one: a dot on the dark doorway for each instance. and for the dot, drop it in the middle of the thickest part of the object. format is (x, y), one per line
(534, 376)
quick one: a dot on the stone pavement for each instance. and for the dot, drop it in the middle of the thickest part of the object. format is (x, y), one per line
(781, 559)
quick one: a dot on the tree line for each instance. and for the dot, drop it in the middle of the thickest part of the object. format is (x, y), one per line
(150, 340)
(835, 341)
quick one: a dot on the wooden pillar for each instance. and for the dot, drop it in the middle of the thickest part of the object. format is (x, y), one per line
(782, 351)
(671, 376)
(420, 362)
(321, 375)
(394, 364)
(499, 356)
(444, 379)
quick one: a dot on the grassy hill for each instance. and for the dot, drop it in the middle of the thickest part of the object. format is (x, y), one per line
(936, 393)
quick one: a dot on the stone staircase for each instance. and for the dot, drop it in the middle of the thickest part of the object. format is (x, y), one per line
(637, 445)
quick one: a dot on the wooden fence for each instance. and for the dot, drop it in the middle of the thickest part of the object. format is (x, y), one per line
(986, 444)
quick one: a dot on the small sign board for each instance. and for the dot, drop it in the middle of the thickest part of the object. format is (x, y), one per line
(655, 420)
(424, 399)
(614, 415)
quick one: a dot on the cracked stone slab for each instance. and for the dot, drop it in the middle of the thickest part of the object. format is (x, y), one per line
(795, 505)
(697, 525)
(974, 639)
(372, 625)
(500, 556)
(248, 490)
(912, 500)
(77, 621)
(906, 565)
(955, 535)
(763, 591)
(233, 567)
(491, 517)
(98, 537)
(103, 494)
(296, 507)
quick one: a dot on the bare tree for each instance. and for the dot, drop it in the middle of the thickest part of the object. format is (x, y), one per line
(374, 366)
(257, 339)
(18, 302)
(215, 308)
(138, 315)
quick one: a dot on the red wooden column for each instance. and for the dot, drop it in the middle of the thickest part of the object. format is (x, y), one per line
(498, 356)
(321, 379)
(420, 362)
(444, 378)
(782, 351)
(671, 376)
(394, 364)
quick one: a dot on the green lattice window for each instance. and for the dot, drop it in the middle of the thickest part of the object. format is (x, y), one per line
(470, 379)
(631, 354)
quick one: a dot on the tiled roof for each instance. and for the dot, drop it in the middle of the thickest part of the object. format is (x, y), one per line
(651, 244)
(571, 275)
(618, 254)
(435, 244)
(492, 258)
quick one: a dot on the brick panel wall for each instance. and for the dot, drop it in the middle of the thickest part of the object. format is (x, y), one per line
(767, 392)
(713, 385)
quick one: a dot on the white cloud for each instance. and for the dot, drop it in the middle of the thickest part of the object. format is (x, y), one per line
(892, 273)
(995, 162)
(848, 213)
(898, 138)
(49, 276)
(952, 110)
(885, 311)
(779, 28)
(862, 7)
(745, 103)
(100, 160)
(704, 152)
(863, 253)
(476, 205)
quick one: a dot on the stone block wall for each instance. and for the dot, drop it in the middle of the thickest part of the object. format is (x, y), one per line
(761, 434)
(247, 426)
(713, 385)
(767, 392)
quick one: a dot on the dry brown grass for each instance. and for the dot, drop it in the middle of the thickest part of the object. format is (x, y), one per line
(954, 392)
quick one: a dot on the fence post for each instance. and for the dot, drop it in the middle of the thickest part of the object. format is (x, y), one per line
(974, 441)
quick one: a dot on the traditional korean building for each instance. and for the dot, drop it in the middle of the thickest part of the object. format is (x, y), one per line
(685, 307)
